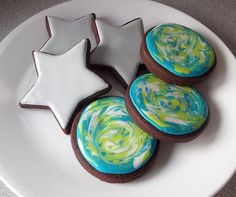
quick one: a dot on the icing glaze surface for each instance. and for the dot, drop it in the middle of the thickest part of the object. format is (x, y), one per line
(172, 109)
(109, 139)
(119, 47)
(67, 33)
(180, 50)
(63, 82)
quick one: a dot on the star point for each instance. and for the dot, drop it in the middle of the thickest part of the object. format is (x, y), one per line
(64, 82)
(64, 34)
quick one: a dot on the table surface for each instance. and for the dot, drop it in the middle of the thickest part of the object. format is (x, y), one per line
(218, 15)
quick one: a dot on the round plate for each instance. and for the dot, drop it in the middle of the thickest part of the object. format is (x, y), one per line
(36, 158)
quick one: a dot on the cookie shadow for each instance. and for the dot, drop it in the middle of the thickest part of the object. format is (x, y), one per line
(163, 157)
(217, 78)
(117, 89)
(211, 131)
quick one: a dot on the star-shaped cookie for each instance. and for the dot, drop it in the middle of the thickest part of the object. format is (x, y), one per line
(64, 34)
(64, 83)
(119, 49)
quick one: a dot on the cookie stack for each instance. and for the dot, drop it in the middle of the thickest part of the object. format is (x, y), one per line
(116, 139)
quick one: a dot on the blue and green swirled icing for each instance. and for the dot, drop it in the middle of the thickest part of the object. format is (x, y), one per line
(180, 50)
(109, 139)
(172, 109)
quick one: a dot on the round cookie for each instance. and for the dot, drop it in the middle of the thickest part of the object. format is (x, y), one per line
(109, 145)
(165, 111)
(177, 54)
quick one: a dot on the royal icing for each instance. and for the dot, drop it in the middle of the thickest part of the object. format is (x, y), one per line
(119, 48)
(180, 50)
(171, 109)
(109, 139)
(63, 82)
(65, 33)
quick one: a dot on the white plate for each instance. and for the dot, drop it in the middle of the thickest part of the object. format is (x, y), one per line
(36, 158)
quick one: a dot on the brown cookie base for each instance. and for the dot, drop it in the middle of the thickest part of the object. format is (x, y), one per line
(110, 178)
(80, 104)
(153, 131)
(166, 75)
(113, 71)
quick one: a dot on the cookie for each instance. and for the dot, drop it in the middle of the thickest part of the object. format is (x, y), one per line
(166, 111)
(177, 54)
(64, 84)
(109, 145)
(118, 49)
(64, 34)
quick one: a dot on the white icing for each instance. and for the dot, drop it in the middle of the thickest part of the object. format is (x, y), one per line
(66, 34)
(81, 147)
(138, 160)
(63, 82)
(175, 120)
(110, 133)
(119, 47)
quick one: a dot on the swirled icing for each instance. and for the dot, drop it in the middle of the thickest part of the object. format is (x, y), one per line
(180, 50)
(171, 109)
(109, 139)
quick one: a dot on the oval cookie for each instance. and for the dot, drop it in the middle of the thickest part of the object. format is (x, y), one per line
(177, 54)
(166, 111)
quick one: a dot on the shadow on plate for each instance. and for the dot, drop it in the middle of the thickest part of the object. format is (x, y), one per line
(163, 157)
(216, 79)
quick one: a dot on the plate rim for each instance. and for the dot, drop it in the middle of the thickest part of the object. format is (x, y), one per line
(31, 19)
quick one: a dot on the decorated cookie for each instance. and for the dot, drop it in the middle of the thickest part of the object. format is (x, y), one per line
(166, 111)
(119, 49)
(64, 83)
(108, 144)
(177, 54)
(64, 34)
